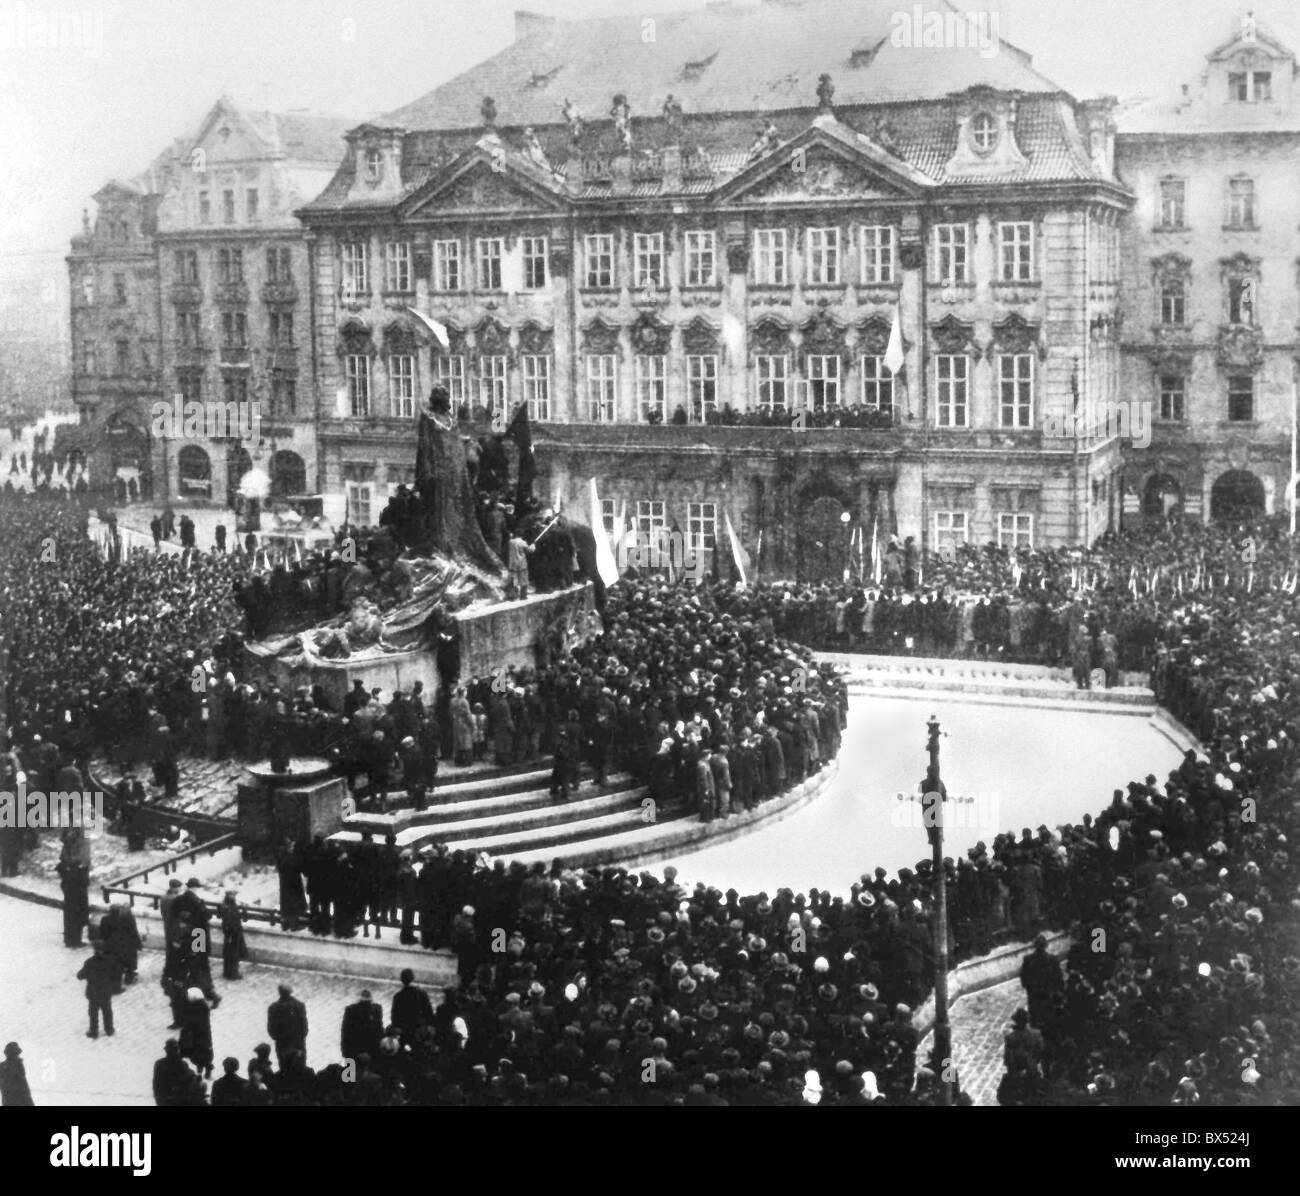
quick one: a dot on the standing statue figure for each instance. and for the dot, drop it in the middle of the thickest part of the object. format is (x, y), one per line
(573, 118)
(488, 110)
(621, 111)
(673, 115)
(825, 93)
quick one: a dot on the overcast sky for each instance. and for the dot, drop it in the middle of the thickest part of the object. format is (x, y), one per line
(69, 120)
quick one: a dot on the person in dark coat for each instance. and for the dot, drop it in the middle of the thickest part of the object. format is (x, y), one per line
(196, 1032)
(286, 1023)
(293, 901)
(155, 527)
(14, 1089)
(411, 1007)
(234, 947)
(97, 972)
(187, 532)
(363, 1027)
(121, 938)
(173, 1081)
(1040, 976)
(74, 881)
(232, 1088)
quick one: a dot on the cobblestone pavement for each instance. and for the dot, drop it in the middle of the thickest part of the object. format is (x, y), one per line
(43, 1009)
(978, 1024)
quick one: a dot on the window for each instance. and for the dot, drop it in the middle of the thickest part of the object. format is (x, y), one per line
(1241, 301)
(228, 207)
(359, 494)
(877, 385)
(190, 384)
(450, 372)
(769, 257)
(284, 394)
(251, 204)
(1016, 389)
(122, 357)
(401, 385)
(651, 390)
(492, 383)
(598, 252)
(601, 387)
(1250, 87)
(278, 266)
(234, 330)
(356, 270)
(205, 208)
(651, 521)
(397, 266)
(648, 260)
(281, 327)
(119, 289)
(488, 255)
(701, 386)
(356, 369)
(701, 259)
(234, 388)
(771, 375)
(984, 132)
(1173, 395)
(1015, 530)
(608, 513)
(1241, 203)
(537, 385)
(952, 373)
(88, 363)
(187, 329)
(1016, 241)
(1173, 203)
(702, 525)
(823, 256)
(950, 529)
(823, 381)
(877, 254)
(187, 266)
(374, 166)
(446, 266)
(534, 249)
(1241, 397)
(1173, 301)
(951, 242)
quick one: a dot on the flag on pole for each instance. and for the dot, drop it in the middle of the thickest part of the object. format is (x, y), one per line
(605, 565)
(758, 554)
(876, 562)
(894, 358)
(439, 330)
(738, 554)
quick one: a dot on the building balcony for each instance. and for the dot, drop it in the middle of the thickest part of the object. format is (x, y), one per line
(234, 355)
(279, 292)
(232, 293)
(186, 294)
(675, 438)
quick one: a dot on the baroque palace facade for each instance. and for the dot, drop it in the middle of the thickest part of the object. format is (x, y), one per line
(684, 243)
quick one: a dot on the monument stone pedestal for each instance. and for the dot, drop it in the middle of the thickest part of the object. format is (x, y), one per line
(299, 804)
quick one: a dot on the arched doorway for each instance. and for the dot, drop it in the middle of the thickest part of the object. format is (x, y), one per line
(1163, 498)
(1237, 497)
(821, 538)
(238, 463)
(288, 474)
(194, 470)
(128, 450)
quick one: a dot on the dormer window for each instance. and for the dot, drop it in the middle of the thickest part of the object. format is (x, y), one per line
(374, 166)
(984, 132)
(1250, 87)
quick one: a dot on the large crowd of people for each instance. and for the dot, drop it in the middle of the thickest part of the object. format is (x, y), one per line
(608, 976)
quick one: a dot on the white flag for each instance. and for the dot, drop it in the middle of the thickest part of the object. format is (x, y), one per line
(439, 330)
(605, 565)
(739, 555)
(894, 353)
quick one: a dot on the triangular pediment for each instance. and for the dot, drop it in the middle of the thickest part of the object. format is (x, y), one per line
(227, 135)
(484, 181)
(827, 161)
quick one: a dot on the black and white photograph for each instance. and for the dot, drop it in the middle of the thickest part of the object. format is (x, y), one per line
(712, 553)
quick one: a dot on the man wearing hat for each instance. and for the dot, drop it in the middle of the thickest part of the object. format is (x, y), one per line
(14, 1089)
(411, 1007)
(1040, 977)
(97, 972)
(363, 1027)
(286, 1024)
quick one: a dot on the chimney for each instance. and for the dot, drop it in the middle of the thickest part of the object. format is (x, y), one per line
(527, 23)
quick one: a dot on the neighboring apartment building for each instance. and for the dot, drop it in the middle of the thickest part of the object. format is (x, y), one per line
(1211, 286)
(216, 311)
(721, 226)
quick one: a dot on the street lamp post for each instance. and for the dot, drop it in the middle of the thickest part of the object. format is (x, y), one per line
(935, 794)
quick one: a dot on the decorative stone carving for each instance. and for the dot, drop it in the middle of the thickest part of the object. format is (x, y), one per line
(1015, 334)
(769, 335)
(873, 337)
(400, 337)
(822, 335)
(952, 335)
(533, 338)
(650, 336)
(599, 336)
(821, 174)
(356, 337)
(492, 338)
(699, 337)
(1240, 348)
